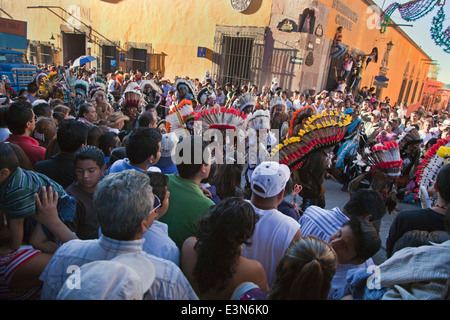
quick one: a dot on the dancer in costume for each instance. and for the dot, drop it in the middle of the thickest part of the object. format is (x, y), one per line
(436, 158)
(308, 149)
(181, 119)
(81, 93)
(278, 113)
(99, 98)
(206, 98)
(385, 166)
(132, 104)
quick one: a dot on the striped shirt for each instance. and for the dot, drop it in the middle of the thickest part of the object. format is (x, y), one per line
(321, 223)
(170, 282)
(17, 194)
(9, 263)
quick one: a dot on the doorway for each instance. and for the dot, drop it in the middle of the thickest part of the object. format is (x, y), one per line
(74, 46)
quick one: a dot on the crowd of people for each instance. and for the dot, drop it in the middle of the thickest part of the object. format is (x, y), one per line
(88, 179)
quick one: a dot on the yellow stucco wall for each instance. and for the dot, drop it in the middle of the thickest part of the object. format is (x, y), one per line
(176, 27)
(364, 37)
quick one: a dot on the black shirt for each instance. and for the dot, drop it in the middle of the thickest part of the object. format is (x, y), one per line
(422, 219)
(60, 168)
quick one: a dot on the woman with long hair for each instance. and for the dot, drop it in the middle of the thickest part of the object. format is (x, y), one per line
(212, 260)
(305, 273)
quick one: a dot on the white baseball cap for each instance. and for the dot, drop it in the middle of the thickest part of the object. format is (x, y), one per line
(275, 80)
(271, 177)
(446, 122)
(168, 143)
(125, 277)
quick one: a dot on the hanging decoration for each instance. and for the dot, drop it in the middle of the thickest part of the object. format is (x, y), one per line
(441, 38)
(410, 11)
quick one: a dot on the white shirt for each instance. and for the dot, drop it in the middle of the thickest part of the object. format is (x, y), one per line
(112, 85)
(273, 235)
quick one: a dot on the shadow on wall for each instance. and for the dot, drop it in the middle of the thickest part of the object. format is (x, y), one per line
(253, 8)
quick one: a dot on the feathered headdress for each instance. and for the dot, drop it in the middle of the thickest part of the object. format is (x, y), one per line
(191, 92)
(408, 137)
(245, 102)
(97, 85)
(82, 88)
(221, 118)
(277, 102)
(207, 96)
(259, 120)
(44, 84)
(384, 157)
(132, 100)
(430, 166)
(152, 93)
(298, 117)
(178, 117)
(320, 131)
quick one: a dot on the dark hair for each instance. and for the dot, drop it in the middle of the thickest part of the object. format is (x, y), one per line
(84, 108)
(146, 119)
(418, 238)
(442, 183)
(197, 147)
(226, 179)
(42, 110)
(220, 235)
(366, 202)
(2, 116)
(159, 181)
(58, 116)
(71, 135)
(8, 158)
(106, 141)
(32, 87)
(18, 115)
(368, 241)
(94, 133)
(46, 129)
(91, 153)
(142, 143)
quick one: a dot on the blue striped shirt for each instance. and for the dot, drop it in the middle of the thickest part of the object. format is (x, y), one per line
(321, 223)
(170, 282)
(17, 194)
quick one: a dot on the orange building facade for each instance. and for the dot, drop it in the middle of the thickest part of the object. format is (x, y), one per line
(239, 41)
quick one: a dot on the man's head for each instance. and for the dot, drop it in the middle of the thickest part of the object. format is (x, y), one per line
(71, 135)
(117, 120)
(442, 185)
(19, 117)
(32, 88)
(124, 204)
(144, 145)
(89, 167)
(365, 204)
(147, 120)
(88, 112)
(268, 182)
(108, 141)
(355, 242)
(193, 158)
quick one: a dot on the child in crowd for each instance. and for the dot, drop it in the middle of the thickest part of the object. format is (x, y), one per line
(90, 168)
(18, 188)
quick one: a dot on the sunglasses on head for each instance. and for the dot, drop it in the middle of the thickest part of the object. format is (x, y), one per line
(156, 203)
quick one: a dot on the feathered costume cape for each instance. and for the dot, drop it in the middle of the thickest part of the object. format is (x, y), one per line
(320, 131)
